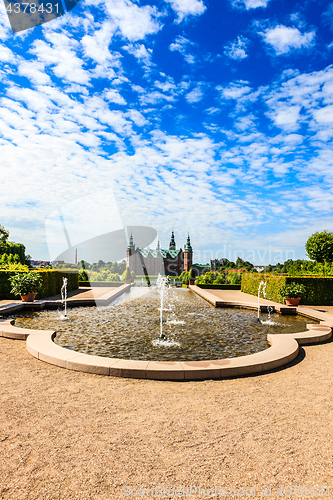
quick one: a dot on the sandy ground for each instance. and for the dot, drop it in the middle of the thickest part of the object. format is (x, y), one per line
(70, 435)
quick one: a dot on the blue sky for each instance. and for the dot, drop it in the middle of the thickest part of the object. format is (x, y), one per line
(208, 116)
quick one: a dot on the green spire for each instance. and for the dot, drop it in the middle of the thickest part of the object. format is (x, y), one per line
(172, 245)
(188, 243)
(131, 244)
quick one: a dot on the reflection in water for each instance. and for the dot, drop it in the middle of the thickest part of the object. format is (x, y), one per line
(130, 327)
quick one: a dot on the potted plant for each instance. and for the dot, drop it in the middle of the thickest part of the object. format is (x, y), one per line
(292, 293)
(26, 285)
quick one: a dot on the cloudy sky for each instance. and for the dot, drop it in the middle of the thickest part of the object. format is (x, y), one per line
(208, 116)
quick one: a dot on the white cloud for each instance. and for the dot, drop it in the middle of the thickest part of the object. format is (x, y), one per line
(186, 8)
(60, 57)
(133, 22)
(182, 45)
(195, 95)
(35, 72)
(140, 52)
(114, 96)
(96, 46)
(235, 90)
(284, 39)
(249, 4)
(237, 50)
(324, 115)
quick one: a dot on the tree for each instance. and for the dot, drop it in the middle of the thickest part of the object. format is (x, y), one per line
(319, 247)
(4, 235)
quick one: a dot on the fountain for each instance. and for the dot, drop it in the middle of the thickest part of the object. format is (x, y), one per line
(63, 292)
(262, 285)
(162, 284)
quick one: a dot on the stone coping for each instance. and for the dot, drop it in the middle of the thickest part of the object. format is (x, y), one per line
(283, 349)
(39, 305)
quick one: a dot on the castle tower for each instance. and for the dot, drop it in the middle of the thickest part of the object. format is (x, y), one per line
(172, 245)
(188, 255)
(130, 250)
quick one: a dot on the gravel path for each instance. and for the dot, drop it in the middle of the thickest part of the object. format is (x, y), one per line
(69, 435)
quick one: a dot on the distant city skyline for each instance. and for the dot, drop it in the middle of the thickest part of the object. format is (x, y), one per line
(208, 116)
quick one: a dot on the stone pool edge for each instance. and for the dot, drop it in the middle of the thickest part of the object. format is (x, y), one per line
(283, 349)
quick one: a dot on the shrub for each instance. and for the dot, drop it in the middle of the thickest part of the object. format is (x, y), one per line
(25, 283)
(293, 290)
(318, 290)
(51, 282)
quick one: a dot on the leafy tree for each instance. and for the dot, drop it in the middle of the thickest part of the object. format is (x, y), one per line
(4, 235)
(319, 246)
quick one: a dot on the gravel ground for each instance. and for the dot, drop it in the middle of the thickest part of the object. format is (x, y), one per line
(70, 435)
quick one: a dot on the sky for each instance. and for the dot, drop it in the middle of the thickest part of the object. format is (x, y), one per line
(212, 117)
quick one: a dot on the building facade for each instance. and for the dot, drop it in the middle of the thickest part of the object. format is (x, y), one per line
(171, 262)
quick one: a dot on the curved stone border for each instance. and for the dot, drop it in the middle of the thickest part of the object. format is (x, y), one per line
(283, 349)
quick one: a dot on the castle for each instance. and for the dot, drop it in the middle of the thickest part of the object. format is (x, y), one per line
(149, 262)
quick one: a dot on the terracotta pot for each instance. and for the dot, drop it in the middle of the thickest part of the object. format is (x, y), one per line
(192, 282)
(29, 298)
(293, 302)
(127, 282)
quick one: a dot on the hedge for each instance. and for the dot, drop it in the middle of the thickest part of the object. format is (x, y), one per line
(319, 290)
(52, 282)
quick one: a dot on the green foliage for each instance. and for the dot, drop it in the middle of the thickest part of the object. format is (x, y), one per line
(319, 246)
(293, 290)
(128, 275)
(250, 284)
(234, 278)
(25, 283)
(83, 275)
(184, 278)
(301, 267)
(51, 282)
(318, 290)
(103, 275)
(12, 263)
(4, 234)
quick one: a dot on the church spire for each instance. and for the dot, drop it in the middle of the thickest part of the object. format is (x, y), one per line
(131, 244)
(188, 243)
(172, 245)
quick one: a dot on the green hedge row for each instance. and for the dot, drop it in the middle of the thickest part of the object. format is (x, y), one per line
(52, 283)
(319, 290)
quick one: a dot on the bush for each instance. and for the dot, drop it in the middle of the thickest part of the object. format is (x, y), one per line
(25, 283)
(51, 282)
(318, 290)
(293, 290)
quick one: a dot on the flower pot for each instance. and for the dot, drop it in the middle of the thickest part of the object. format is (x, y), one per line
(29, 298)
(292, 302)
(192, 282)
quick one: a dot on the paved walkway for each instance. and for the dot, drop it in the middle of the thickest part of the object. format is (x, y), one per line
(66, 435)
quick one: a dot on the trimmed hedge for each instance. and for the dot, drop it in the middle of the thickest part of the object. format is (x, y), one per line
(52, 282)
(319, 290)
